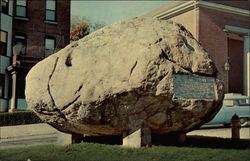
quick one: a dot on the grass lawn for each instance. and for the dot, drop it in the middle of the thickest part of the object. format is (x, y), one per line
(100, 152)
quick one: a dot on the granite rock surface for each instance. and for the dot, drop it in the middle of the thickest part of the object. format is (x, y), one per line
(122, 77)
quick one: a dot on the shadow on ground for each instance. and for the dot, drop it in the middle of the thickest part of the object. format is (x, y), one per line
(204, 142)
(191, 141)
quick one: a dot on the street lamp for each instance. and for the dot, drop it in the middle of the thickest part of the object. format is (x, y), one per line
(227, 65)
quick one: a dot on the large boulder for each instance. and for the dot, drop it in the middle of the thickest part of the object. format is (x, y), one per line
(139, 72)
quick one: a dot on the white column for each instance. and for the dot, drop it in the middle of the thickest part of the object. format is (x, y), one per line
(13, 97)
(246, 69)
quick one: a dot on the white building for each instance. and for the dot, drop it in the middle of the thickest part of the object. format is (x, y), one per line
(6, 19)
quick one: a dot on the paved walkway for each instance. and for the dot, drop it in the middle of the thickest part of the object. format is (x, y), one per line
(8, 132)
(34, 134)
(25, 135)
(220, 132)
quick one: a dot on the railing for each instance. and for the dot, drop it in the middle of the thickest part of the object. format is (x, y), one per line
(25, 61)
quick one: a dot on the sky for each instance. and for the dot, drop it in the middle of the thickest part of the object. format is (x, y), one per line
(110, 12)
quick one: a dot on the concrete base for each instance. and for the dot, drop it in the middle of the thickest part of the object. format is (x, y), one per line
(181, 137)
(137, 138)
(66, 139)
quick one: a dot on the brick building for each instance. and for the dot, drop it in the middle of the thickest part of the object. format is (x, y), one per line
(222, 27)
(39, 29)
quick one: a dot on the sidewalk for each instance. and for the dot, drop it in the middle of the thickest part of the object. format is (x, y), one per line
(34, 134)
(24, 135)
(221, 132)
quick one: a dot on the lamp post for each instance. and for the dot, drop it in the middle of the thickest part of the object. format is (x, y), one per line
(227, 65)
(227, 68)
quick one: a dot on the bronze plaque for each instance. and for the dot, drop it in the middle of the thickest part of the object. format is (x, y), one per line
(192, 86)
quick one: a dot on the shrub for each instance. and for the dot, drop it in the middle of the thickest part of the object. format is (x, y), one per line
(79, 31)
(19, 118)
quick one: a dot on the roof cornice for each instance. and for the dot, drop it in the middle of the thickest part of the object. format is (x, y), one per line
(239, 30)
(223, 8)
(189, 5)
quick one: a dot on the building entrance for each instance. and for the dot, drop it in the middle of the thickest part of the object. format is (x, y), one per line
(235, 75)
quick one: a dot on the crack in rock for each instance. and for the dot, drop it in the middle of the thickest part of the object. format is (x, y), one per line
(163, 53)
(70, 103)
(50, 76)
(79, 89)
(132, 69)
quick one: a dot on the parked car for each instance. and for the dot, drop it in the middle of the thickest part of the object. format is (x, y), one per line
(233, 104)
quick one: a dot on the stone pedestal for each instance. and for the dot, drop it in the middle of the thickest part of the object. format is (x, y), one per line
(66, 139)
(137, 137)
(181, 137)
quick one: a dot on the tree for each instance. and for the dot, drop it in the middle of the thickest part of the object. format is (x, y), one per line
(79, 31)
(76, 20)
(82, 26)
(96, 26)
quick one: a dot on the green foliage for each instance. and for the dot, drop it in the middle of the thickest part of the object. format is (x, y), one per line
(98, 152)
(79, 31)
(19, 118)
(97, 25)
(76, 20)
(82, 26)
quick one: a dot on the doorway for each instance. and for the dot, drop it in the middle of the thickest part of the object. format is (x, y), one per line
(235, 75)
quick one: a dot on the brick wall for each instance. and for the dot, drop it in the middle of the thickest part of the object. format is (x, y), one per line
(36, 29)
(215, 40)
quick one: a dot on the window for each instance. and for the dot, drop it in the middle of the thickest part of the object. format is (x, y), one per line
(50, 44)
(20, 42)
(244, 102)
(21, 8)
(3, 43)
(5, 6)
(50, 10)
(2, 84)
